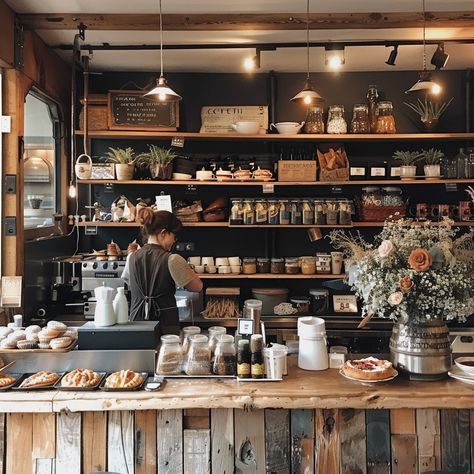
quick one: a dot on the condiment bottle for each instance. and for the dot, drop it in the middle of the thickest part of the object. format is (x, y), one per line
(372, 96)
(243, 359)
(224, 356)
(257, 368)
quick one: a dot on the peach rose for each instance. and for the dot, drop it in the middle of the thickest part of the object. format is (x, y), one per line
(406, 284)
(395, 298)
(386, 248)
(420, 260)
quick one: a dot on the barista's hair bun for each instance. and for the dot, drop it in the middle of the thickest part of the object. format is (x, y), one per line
(145, 216)
(154, 222)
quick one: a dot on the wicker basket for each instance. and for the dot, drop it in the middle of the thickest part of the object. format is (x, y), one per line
(380, 213)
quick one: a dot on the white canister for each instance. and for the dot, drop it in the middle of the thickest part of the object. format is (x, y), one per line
(83, 167)
(313, 352)
(120, 305)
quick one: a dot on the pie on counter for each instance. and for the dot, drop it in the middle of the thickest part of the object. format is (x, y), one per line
(80, 378)
(6, 380)
(40, 379)
(370, 368)
(124, 379)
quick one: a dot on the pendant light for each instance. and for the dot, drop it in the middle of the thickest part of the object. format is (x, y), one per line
(307, 95)
(162, 92)
(425, 82)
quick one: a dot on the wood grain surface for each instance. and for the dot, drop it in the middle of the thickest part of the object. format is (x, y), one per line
(94, 441)
(222, 438)
(68, 443)
(277, 441)
(170, 441)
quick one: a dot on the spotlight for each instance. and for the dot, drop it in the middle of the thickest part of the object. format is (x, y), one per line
(335, 57)
(392, 56)
(251, 63)
(440, 58)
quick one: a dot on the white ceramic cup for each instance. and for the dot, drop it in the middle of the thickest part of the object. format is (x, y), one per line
(236, 269)
(234, 261)
(224, 269)
(209, 261)
(336, 263)
(211, 269)
(204, 175)
(250, 128)
(199, 268)
(194, 260)
(222, 261)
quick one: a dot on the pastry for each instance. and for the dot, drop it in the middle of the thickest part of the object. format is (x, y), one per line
(44, 345)
(45, 335)
(124, 379)
(262, 174)
(6, 379)
(34, 329)
(370, 368)
(17, 336)
(72, 333)
(242, 175)
(223, 175)
(216, 211)
(80, 378)
(32, 337)
(24, 344)
(4, 331)
(40, 379)
(8, 344)
(60, 342)
(57, 326)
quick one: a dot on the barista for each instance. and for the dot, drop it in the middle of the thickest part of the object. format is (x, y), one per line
(153, 272)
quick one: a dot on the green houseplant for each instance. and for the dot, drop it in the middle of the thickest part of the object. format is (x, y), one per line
(160, 161)
(429, 111)
(432, 158)
(124, 159)
(408, 160)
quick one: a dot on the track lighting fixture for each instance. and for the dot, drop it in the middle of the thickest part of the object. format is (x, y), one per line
(252, 63)
(392, 56)
(335, 56)
(440, 57)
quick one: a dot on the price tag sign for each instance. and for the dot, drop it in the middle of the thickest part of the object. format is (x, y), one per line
(245, 326)
(451, 187)
(108, 188)
(268, 189)
(90, 230)
(336, 190)
(163, 203)
(344, 303)
(177, 142)
(11, 291)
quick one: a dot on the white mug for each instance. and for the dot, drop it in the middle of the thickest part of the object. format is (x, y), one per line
(207, 261)
(194, 260)
(204, 175)
(224, 269)
(199, 268)
(236, 269)
(222, 261)
(211, 269)
(234, 261)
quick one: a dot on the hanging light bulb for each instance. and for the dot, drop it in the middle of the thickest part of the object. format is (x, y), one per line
(72, 191)
(162, 91)
(307, 95)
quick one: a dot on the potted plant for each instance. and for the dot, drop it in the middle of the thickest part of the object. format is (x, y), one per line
(429, 111)
(160, 162)
(432, 158)
(408, 160)
(124, 160)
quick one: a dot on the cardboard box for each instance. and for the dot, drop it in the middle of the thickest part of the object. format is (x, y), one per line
(297, 170)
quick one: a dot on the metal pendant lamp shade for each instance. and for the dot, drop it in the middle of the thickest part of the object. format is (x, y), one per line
(162, 92)
(307, 95)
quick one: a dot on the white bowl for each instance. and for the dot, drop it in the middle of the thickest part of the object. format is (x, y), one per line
(461, 364)
(287, 128)
(204, 175)
(182, 176)
(249, 128)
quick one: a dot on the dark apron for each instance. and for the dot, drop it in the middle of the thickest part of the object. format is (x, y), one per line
(153, 289)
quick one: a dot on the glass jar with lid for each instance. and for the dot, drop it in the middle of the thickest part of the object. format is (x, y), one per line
(308, 265)
(336, 120)
(249, 265)
(236, 212)
(392, 196)
(371, 196)
(170, 357)
(261, 212)
(273, 212)
(296, 214)
(301, 304)
(308, 212)
(292, 266)
(345, 212)
(360, 119)
(277, 265)
(385, 118)
(249, 212)
(263, 265)
(215, 332)
(285, 212)
(319, 212)
(187, 332)
(332, 209)
(314, 122)
(198, 361)
(224, 356)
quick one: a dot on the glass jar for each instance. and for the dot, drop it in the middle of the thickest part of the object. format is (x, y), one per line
(372, 96)
(243, 359)
(470, 164)
(308, 265)
(448, 167)
(285, 212)
(170, 357)
(224, 356)
(360, 119)
(332, 209)
(319, 212)
(308, 212)
(301, 304)
(385, 118)
(314, 122)
(371, 196)
(292, 266)
(392, 196)
(257, 367)
(215, 332)
(277, 265)
(336, 121)
(296, 214)
(249, 212)
(249, 265)
(237, 212)
(263, 265)
(198, 361)
(319, 301)
(188, 331)
(461, 164)
(261, 212)
(345, 212)
(273, 212)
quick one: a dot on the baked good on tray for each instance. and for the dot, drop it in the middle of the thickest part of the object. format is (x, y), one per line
(369, 368)
(80, 378)
(6, 379)
(124, 379)
(40, 379)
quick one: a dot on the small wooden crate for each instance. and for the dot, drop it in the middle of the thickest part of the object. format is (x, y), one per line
(380, 213)
(297, 170)
(97, 113)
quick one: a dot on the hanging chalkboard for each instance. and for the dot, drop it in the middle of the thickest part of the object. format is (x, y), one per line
(130, 110)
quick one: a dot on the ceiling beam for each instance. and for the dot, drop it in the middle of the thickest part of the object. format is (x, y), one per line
(250, 21)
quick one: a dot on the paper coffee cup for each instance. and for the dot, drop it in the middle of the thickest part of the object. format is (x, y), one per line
(336, 262)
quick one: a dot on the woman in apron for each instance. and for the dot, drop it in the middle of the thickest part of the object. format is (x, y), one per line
(153, 272)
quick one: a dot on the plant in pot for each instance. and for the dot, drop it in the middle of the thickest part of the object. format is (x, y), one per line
(160, 162)
(429, 111)
(408, 160)
(124, 160)
(432, 158)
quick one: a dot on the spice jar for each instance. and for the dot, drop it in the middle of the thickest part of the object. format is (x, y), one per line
(249, 265)
(215, 332)
(292, 266)
(385, 118)
(319, 212)
(336, 121)
(345, 212)
(277, 265)
(170, 357)
(301, 304)
(237, 212)
(332, 208)
(308, 212)
(273, 212)
(371, 196)
(261, 212)
(188, 331)
(249, 212)
(314, 122)
(285, 212)
(308, 265)
(257, 367)
(243, 359)
(263, 265)
(360, 119)
(198, 361)
(319, 301)
(296, 214)
(392, 196)
(224, 356)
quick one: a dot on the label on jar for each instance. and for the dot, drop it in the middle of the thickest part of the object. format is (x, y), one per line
(395, 172)
(261, 217)
(377, 171)
(243, 370)
(357, 171)
(258, 369)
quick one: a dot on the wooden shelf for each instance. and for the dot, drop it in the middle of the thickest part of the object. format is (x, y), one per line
(136, 224)
(268, 276)
(114, 134)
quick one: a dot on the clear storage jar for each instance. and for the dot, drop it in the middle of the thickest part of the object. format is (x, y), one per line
(215, 332)
(236, 212)
(263, 265)
(198, 361)
(336, 121)
(385, 118)
(249, 265)
(285, 212)
(332, 209)
(273, 212)
(277, 265)
(360, 119)
(345, 212)
(392, 196)
(319, 212)
(249, 212)
(292, 266)
(314, 122)
(371, 196)
(170, 357)
(224, 356)
(261, 212)
(187, 332)
(296, 212)
(308, 212)
(308, 265)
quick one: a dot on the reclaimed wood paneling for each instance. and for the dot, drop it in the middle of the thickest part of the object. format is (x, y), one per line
(455, 441)
(249, 442)
(277, 441)
(43, 466)
(378, 441)
(120, 447)
(145, 442)
(94, 441)
(402, 421)
(44, 436)
(196, 419)
(170, 441)
(404, 460)
(19, 443)
(197, 451)
(327, 441)
(68, 443)
(429, 447)
(352, 434)
(222, 440)
(302, 441)
(2, 442)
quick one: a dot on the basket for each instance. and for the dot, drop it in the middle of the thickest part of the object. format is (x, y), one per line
(380, 213)
(97, 112)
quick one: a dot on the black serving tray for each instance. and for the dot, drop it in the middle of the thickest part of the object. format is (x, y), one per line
(19, 381)
(144, 376)
(58, 385)
(8, 387)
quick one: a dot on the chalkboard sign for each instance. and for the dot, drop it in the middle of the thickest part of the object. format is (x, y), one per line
(130, 110)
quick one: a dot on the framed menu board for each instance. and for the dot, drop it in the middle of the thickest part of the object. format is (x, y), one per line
(131, 110)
